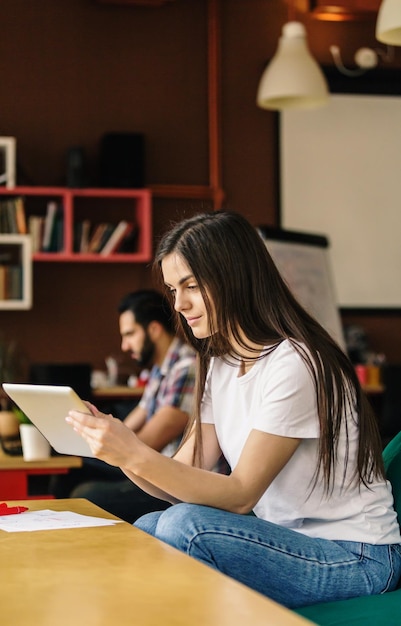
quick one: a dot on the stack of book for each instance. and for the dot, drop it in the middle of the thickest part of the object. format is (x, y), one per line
(12, 216)
(47, 231)
(105, 238)
(10, 273)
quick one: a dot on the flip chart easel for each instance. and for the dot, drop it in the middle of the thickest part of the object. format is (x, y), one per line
(303, 261)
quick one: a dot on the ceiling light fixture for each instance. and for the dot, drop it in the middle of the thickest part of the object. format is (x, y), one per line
(340, 13)
(293, 79)
(388, 24)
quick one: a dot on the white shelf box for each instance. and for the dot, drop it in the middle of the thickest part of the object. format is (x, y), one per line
(15, 272)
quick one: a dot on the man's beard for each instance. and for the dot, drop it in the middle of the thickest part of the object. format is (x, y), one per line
(147, 352)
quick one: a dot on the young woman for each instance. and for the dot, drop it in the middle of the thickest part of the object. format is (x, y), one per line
(279, 399)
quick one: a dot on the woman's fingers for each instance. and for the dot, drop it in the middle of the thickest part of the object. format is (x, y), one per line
(106, 436)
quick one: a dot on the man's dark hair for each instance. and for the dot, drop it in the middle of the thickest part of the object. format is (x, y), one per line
(148, 305)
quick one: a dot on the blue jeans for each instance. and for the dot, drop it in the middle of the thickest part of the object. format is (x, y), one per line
(287, 566)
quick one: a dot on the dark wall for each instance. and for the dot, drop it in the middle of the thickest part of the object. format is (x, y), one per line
(71, 71)
(74, 70)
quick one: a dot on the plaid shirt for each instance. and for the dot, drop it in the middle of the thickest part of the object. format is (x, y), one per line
(172, 384)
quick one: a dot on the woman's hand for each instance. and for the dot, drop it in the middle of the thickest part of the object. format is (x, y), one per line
(108, 438)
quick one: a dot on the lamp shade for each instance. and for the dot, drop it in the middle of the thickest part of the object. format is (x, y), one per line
(388, 24)
(293, 78)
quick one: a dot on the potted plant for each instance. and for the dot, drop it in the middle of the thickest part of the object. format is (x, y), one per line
(26, 438)
(9, 429)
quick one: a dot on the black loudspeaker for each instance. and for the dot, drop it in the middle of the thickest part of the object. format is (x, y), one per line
(121, 162)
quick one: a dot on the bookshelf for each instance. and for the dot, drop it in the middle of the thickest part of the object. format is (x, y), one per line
(74, 207)
(15, 272)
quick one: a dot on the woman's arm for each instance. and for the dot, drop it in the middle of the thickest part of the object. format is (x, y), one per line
(263, 457)
(185, 455)
(149, 488)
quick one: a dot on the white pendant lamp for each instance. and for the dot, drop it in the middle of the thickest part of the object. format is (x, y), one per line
(388, 24)
(293, 79)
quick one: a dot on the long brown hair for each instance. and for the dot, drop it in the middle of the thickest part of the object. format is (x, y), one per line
(235, 273)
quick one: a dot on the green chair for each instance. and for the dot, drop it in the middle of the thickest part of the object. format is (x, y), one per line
(378, 610)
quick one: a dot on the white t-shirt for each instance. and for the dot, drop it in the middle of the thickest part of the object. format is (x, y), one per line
(277, 396)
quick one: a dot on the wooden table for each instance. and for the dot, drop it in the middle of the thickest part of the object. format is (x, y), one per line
(15, 472)
(120, 392)
(118, 575)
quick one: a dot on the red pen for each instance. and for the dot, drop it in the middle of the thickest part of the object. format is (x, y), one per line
(11, 510)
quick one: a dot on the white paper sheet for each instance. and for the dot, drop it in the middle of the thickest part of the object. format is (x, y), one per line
(50, 520)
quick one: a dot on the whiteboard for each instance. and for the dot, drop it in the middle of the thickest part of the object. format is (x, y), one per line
(341, 175)
(303, 261)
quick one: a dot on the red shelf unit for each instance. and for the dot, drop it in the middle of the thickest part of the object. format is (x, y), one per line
(130, 204)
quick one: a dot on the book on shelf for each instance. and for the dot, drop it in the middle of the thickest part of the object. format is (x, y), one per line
(49, 222)
(12, 216)
(95, 241)
(109, 230)
(47, 232)
(121, 231)
(129, 243)
(57, 242)
(35, 227)
(81, 236)
(9, 220)
(49, 239)
(20, 215)
(14, 282)
(2, 282)
(10, 282)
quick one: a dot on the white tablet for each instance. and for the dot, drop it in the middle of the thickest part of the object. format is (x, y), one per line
(47, 407)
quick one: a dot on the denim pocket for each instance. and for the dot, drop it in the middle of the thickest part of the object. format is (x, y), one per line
(396, 557)
(396, 547)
